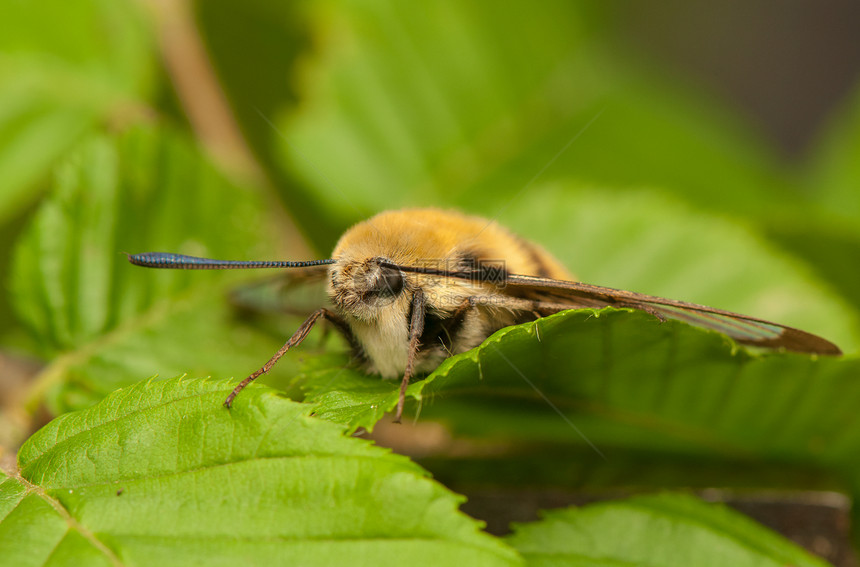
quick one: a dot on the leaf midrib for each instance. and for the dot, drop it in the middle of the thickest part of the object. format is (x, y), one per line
(71, 523)
(249, 461)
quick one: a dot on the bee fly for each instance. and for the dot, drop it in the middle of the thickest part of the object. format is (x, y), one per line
(414, 286)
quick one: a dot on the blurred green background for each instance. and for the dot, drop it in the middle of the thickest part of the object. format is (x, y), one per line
(700, 151)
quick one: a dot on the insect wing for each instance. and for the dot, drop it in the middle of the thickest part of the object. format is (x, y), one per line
(295, 292)
(548, 294)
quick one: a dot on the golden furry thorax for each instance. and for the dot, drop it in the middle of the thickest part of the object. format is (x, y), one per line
(360, 286)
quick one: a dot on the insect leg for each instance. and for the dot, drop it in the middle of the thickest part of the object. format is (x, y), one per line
(294, 340)
(416, 328)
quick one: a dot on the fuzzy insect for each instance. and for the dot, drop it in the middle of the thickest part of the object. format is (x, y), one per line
(414, 286)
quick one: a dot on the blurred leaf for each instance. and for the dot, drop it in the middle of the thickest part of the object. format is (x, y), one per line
(828, 234)
(104, 322)
(160, 473)
(625, 382)
(11, 336)
(830, 248)
(392, 116)
(65, 68)
(478, 465)
(271, 35)
(259, 80)
(645, 131)
(660, 530)
(835, 174)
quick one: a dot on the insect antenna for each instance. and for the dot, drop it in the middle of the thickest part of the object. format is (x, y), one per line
(167, 260)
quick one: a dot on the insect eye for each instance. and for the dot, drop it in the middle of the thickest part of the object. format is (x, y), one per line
(390, 283)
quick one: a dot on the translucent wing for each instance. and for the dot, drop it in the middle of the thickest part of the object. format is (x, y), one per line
(553, 295)
(296, 292)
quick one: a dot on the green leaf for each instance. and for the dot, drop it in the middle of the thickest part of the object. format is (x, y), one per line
(104, 322)
(161, 473)
(623, 382)
(60, 77)
(658, 531)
